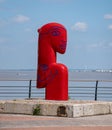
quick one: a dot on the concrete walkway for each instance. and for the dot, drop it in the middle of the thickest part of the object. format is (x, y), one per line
(27, 122)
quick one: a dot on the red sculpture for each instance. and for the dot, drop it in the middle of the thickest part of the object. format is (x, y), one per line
(51, 75)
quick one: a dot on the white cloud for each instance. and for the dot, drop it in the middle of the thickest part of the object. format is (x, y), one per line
(95, 46)
(103, 44)
(110, 27)
(80, 26)
(108, 16)
(21, 18)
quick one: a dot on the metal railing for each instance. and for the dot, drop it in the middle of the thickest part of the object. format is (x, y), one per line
(92, 89)
(78, 89)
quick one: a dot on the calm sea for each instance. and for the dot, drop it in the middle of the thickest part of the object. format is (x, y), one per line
(73, 75)
(15, 84)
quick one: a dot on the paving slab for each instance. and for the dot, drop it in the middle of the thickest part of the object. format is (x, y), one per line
(28, 122)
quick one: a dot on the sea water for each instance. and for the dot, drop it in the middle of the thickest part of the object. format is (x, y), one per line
(82, 84)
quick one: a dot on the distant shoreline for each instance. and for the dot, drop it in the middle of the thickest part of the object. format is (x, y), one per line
(75, 70)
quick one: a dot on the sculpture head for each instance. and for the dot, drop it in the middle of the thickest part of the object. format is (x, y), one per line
(57, 36)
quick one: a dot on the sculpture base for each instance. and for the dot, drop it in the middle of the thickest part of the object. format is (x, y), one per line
(70, 108)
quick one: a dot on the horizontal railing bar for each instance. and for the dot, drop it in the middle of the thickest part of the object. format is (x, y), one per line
(68, 86)
(104, 93)
(83, 96)
(106, 90)
(76, 88)
(42, 96)
(76, 80)
(81, 93)
(88, 92)
(79, 89)
(14, 96)
(14, 93)
(104, 87)
(87, 80)
(17, 80)
(81, 86)
(16, 88)
(38, 93)
(104, 97)
(13, 86)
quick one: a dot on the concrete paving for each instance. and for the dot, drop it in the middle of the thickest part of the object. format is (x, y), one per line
(28, 122)
(70, 108)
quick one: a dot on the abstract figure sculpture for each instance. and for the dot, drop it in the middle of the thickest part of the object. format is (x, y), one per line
(51, 75)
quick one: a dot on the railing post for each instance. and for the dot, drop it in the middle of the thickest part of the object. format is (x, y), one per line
(96, 90)
(30, 88)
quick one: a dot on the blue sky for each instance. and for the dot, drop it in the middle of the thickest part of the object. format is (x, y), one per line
(88, 23)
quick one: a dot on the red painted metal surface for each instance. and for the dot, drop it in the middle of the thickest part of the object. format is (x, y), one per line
(51, 75)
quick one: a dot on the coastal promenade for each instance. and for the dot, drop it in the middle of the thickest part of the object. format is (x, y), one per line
(39, 114)
(28, 122)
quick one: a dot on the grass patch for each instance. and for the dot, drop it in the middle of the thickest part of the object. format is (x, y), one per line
(36, 110)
